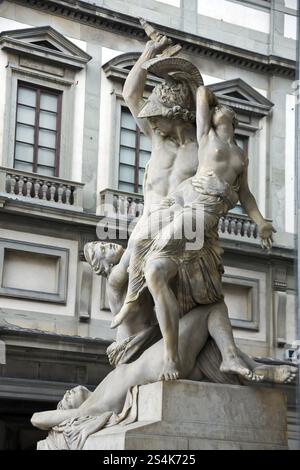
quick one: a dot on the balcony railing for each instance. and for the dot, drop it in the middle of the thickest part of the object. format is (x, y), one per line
(125, 205)
(25, 186)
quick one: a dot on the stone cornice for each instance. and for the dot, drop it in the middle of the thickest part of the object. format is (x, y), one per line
(122, 24)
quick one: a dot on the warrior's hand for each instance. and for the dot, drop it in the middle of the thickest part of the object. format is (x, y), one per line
(266, 230)
(157, 46)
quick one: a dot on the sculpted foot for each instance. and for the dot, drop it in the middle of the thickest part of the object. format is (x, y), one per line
(277, 374)
(171, 371)
(235, 365)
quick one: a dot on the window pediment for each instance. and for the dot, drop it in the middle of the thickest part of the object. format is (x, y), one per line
(44, 43)
(119, 67)
(242, 97)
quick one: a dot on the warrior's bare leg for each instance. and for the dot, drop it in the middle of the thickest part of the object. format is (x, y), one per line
(220, 329)
(111, 392)
(158, 274)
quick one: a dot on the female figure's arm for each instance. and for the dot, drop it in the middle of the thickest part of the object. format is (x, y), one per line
(265, 228)
(205, 103)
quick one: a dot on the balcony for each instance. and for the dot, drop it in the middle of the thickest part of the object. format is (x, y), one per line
(44, 190)
(127, 206)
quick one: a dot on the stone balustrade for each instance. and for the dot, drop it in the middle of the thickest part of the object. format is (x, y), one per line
(121, 204)
(125, 205)
(33, 187)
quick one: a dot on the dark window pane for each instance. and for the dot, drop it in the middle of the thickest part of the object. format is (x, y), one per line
(46, 157)
(126, 174)
(48, 120)
(26, 115)
(129, 188)
(48, 102)
(127, 156)
(128, 138)
(127, 121)
(44, 170)
(27, 96)
(23, 166)
(144, 158)
(145, 143)
(24, 152)
(47, 138)
(25, 133)
(141, 176)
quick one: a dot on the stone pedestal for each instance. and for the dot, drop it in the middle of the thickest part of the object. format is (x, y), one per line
(185, 415)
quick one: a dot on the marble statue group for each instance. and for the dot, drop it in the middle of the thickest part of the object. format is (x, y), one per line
(165, 293)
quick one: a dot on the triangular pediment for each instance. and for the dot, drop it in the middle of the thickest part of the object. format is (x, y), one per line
(44, 40)
(119, 67)
(238, 94)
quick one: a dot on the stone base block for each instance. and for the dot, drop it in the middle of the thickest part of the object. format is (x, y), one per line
(186, 415)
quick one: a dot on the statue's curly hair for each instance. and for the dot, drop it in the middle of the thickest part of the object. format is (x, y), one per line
(176, 99)
(179, 112)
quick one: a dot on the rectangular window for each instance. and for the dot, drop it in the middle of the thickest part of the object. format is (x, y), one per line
(37, 139)
(242, 141)
(135, 151)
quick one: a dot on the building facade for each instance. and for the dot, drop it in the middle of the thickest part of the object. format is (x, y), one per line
(69, 149)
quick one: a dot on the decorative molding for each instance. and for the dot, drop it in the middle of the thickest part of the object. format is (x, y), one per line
(122, 24)
(26, 72)
(46, 44)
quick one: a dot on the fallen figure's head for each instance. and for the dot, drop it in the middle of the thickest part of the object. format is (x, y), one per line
(102, 256)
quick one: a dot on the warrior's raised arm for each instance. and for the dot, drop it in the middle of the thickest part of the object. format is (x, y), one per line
(134, 85)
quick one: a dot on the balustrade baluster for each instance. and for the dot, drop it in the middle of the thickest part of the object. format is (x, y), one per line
(68, 194)
(228, 221)
(121, 204)
(116, 203)
(132, 209)
(20, 185)
(126, 205)
(254, 230)
(28, 187)
(44, 190)
(239, 227)
(247, 228)
(60, 193)
(52, 192)
(140, 209)
(37, 189)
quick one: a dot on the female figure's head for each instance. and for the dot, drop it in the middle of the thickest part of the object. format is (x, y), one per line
(224, 116)
(102, 256)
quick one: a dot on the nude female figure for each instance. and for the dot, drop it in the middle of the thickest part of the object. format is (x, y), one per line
(220, 181)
